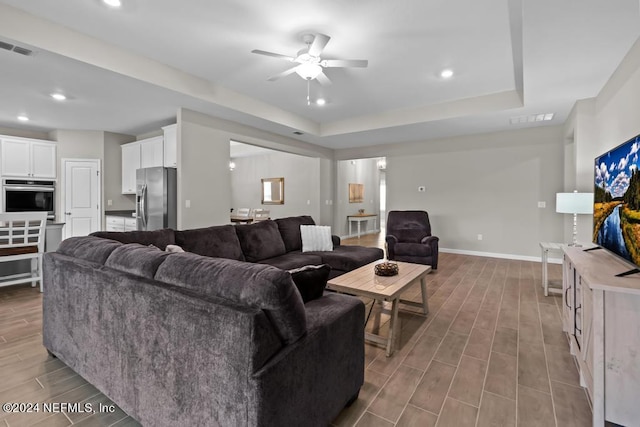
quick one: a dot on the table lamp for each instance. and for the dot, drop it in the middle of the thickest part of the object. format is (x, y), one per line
(574, 203)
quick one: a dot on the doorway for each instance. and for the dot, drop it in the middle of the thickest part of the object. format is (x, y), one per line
(81, 200)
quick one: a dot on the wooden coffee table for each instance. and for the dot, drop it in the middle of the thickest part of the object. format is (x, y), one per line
(363, 282)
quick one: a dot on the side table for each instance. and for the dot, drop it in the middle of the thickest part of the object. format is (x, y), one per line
(547, 247)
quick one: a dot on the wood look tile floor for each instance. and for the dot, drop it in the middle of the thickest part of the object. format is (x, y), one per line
(491, 352)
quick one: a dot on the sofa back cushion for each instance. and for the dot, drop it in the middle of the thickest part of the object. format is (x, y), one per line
(158, 238)
(88, 248)
(218, 242)
(137, 259)
(255, 285)
(260, 241)
(290, 230)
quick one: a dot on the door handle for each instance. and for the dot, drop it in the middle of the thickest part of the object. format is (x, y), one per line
(67, 213)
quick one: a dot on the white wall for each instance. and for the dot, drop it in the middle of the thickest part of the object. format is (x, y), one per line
(301, 183)
(360, 171)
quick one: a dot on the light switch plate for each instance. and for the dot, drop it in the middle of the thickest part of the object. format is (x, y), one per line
(542, 204)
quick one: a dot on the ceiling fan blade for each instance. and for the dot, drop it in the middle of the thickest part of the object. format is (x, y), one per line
(319, 42)
(323, 79)
(275, 55)
(332, 63)
(283, 74)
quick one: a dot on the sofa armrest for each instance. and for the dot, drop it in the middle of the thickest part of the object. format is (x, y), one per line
(391, 241)
(335, 240)
(325, 367)
(430, 240)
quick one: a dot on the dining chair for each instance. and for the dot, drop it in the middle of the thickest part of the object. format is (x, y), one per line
(260, 214)
(243, 212)
(22, 237)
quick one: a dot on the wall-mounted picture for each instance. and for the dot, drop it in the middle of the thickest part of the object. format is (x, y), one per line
(616, 210)
(356, 193)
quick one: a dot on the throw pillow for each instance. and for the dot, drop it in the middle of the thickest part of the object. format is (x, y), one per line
(311, 280)
(316, 238)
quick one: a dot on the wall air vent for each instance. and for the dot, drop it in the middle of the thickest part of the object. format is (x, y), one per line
(532, 118)
(17, 49)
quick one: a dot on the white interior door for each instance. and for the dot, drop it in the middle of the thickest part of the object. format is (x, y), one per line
(81, 197)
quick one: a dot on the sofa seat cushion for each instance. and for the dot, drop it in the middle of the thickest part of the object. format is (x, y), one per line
(137, 259)
(88, 248)
(347, 258)
(260, 241)
(311, 280)
(158, 238)
(293, 260)
(412, 249)
(217, 242)
(290, 230)
(244, 284)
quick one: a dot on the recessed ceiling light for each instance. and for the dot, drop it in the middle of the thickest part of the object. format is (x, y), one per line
(113, 3)
(446, 74)
(321, 101)
(23, 118)
(58, 96)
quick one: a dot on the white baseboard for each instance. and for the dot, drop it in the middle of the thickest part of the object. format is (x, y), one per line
(362, 233)
(503, 256)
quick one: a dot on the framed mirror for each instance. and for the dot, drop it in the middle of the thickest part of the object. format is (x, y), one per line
(272, 191)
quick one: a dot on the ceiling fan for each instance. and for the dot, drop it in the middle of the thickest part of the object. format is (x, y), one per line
(309, 63)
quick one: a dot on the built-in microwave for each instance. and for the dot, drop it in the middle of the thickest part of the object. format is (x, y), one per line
(20, 195)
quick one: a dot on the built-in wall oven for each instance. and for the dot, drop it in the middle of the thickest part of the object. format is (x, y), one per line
(20, 195)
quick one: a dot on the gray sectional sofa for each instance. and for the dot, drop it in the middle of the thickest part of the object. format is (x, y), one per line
(186, 339)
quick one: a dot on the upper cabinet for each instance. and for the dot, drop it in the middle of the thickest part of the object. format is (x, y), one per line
(146, 153)
(170, 146)
(28, 158)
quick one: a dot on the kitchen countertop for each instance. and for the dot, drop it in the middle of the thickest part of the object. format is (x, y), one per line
(125, 214)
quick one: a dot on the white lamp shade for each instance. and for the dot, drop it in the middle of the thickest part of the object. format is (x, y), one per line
(574, 203)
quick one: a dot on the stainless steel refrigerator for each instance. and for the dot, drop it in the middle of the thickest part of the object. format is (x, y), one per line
(156, 202)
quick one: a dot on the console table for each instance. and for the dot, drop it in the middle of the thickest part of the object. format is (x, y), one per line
(358, 218)
(601, 314)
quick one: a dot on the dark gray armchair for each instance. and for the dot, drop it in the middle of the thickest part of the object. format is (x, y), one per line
(409, 238)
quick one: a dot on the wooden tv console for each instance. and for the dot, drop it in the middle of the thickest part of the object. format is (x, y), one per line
(601, 315)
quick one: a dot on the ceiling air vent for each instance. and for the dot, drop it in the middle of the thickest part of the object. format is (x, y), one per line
(532, 118)
(22, 50)
(17, 49)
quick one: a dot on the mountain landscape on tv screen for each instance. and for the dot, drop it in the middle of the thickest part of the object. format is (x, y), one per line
(616, 210)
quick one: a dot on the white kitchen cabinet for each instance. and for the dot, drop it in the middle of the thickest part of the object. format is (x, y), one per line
(130, 224)
(28, 158)
(151, 152)
(170, 146)
(130, 163)
(146, 153)
(119, 223)
(600, 313)
(114, 223)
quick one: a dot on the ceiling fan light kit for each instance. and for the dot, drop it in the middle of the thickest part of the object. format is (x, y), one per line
(310, 65)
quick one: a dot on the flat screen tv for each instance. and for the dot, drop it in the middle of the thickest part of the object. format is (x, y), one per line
(616, 210)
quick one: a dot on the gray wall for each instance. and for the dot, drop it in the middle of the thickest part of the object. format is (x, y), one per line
(112, 174)
(301, 183)
(487, 184)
